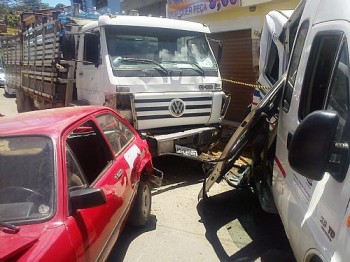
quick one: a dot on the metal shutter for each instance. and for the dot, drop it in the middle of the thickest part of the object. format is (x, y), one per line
(237, 64)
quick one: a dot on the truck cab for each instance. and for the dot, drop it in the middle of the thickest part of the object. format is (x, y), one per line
(160, 74)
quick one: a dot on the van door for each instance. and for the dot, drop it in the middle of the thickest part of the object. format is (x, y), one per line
(318, 78)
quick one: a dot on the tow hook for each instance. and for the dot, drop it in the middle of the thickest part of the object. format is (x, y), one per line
(157, 177)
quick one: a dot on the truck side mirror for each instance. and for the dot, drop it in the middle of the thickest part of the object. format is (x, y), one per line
(68, 47)
(92, 48)
(218, 53)
(220, 47)
(312, 144)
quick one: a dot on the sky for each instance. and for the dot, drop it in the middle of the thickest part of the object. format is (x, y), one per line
(53, 3)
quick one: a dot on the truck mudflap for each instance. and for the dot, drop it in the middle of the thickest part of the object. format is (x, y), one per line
(157, 177)
(246, 131)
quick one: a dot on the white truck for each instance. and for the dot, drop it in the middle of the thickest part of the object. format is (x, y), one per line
(160, 74)
(300, 163)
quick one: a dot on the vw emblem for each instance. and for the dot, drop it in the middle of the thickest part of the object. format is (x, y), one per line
(177, 107)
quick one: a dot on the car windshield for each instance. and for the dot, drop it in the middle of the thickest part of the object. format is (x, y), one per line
(26, 178)
(162, 50)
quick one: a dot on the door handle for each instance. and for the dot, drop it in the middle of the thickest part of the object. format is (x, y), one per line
(81, 73)
(119, 173)
(289, 138)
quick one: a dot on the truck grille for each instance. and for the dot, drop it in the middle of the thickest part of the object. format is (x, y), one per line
(172, 110)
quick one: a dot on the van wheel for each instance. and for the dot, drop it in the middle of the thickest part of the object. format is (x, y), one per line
(141, 211)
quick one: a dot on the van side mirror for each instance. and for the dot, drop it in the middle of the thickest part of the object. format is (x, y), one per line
(312, 144)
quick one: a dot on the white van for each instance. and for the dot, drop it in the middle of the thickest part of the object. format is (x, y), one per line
(311, 184)
(276, 42)
(305, 163)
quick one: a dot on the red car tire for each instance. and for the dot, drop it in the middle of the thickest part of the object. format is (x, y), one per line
(141, 211)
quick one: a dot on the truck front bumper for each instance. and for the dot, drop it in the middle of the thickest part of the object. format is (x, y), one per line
(200, 139)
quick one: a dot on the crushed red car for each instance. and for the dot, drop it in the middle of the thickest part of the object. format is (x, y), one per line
(69, 179)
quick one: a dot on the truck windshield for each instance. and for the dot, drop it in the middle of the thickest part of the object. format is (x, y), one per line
(26, 178)
(164, 50)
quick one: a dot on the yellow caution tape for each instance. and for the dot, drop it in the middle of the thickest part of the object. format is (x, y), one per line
(265, 88)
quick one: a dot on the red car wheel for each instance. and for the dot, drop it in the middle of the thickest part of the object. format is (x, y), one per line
(142, 207)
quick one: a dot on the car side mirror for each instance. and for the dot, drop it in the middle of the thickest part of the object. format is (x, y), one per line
(86, 198)
(311, 145)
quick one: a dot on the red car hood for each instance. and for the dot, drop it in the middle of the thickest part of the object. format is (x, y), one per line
(12, 244)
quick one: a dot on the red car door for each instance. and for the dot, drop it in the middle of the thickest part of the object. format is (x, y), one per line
(94, 230)
(122, 141)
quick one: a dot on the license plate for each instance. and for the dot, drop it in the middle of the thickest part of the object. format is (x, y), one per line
(186, 151)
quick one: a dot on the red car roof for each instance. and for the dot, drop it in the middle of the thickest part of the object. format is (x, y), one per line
(49, 121)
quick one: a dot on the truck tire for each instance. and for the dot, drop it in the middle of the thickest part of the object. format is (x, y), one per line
(20, 98)
(28, 104)
(141, 211)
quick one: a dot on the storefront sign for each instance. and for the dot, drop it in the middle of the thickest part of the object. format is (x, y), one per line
(182, 9)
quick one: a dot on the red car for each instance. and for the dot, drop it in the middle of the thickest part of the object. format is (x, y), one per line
(69, 178)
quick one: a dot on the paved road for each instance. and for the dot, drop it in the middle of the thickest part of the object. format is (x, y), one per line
(227, 227)
(7, 104)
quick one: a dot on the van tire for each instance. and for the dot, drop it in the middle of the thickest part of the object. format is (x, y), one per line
(141, 211)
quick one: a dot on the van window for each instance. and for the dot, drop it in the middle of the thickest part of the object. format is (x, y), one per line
(272, 63)
(318, 72)
(338, 99)
(293, 66)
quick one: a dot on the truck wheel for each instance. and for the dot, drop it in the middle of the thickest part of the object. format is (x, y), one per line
(141, 211)
(28, 104)
(20, 98)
